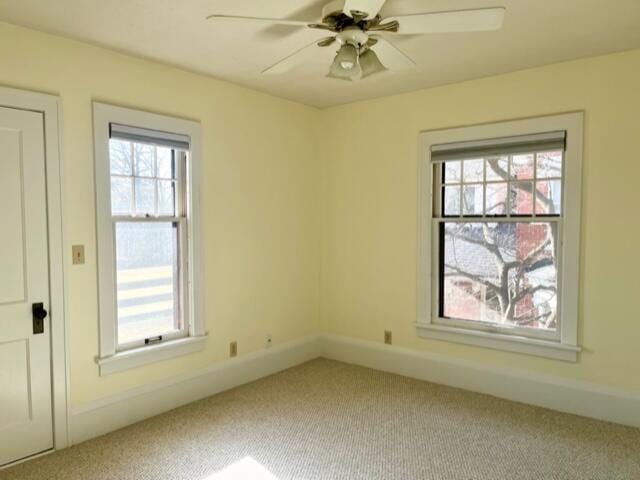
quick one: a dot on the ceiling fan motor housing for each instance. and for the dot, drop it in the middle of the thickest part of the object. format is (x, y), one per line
(353, 36)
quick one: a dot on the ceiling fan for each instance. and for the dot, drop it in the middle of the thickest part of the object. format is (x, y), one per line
(358, 28)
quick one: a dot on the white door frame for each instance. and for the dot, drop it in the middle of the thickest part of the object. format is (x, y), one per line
(49, 105)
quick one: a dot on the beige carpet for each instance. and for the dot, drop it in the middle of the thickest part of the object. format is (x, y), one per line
(329, 420)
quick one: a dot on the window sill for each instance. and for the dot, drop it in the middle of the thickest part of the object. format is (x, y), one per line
(138, 357)
(500, 341)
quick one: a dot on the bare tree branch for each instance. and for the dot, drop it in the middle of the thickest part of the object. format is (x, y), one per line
(470, 276)
(530, 291)
(528, 320)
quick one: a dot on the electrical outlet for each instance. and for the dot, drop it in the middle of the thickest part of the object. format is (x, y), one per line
(233, 349)
(388, 338)
(77, 254)
(269, 341)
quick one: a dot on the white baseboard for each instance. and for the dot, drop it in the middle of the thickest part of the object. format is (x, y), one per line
(556, 393)
(117, 411)
(580, 398)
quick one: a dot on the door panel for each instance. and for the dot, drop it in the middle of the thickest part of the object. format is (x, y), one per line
(12, 261)
(16, 379)
(25, 358)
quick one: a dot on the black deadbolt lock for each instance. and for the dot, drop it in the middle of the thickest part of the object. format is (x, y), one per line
(39, 314)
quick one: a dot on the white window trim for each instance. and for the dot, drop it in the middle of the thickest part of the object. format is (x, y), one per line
(566, 347)
(110, 360)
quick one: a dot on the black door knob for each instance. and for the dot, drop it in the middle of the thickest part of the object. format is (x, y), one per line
(39, 314)
(38, 311)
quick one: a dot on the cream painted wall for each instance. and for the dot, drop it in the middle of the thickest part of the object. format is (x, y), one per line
(369, 196)
(260, 202)
(305, 235)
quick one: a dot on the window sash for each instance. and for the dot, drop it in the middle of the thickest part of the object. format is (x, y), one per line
(437, 273)
(183, 275)
(439, 190)
(179, 182)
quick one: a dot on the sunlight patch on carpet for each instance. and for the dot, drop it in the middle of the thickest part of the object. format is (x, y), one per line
(244, 469)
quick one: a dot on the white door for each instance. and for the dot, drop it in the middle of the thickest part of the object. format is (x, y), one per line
(25, 359)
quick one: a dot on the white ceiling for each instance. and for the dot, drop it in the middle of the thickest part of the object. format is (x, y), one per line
(536, 32)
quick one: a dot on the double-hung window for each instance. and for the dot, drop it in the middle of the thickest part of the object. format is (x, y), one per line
(500, 210)
(147, 252)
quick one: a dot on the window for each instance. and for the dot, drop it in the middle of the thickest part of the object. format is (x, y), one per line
(149, 218)
(502, 222)
(146, 193)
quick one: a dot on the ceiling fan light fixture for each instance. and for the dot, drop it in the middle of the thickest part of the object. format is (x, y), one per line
(370, 63)
(346, 64)
(347, 57)
(335, 77)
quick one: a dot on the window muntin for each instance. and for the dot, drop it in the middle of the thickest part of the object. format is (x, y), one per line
(497, 221)
(500, 186)
(149, 220)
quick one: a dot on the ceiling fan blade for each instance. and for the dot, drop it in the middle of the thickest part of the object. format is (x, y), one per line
(325, 42)
(482, 19)
(276, 21)
(390, 55)
(370, 7)
(296, 58)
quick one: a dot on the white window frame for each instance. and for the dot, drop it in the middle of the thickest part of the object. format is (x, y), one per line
(111, 359)
(180, 217)
(564, 344)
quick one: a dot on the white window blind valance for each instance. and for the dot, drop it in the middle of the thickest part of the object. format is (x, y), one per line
(499, 146)
(152, 137)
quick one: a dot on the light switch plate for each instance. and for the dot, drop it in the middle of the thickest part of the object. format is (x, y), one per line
(77, 254)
